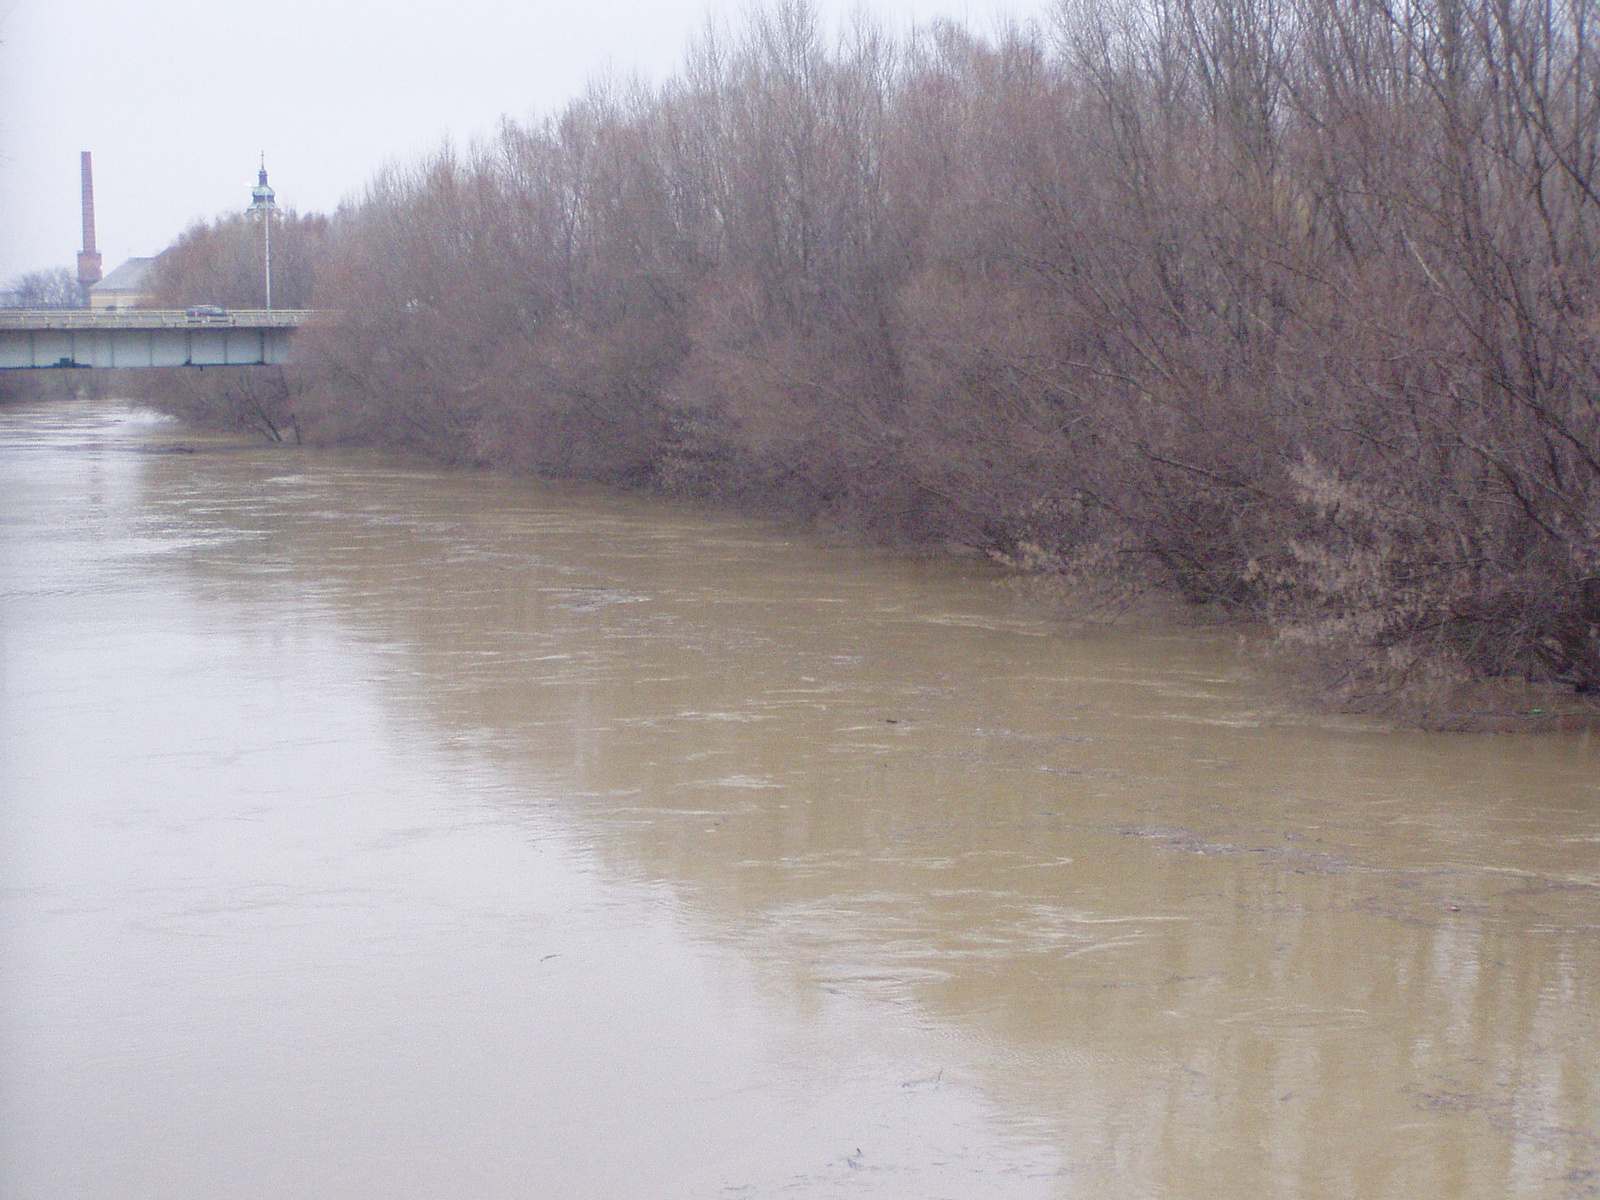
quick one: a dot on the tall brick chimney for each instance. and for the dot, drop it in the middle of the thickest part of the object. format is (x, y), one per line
(88, 257)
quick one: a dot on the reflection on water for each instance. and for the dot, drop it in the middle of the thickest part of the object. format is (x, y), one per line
(376, 832)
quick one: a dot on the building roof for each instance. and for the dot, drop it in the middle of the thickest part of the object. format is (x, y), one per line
(131, 276)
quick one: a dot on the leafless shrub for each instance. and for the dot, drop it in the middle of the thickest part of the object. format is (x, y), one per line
(261, 401)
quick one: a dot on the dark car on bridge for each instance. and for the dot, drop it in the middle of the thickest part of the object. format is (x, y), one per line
(208, 313)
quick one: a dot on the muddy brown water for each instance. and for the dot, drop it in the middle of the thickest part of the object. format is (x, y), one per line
(375, 832)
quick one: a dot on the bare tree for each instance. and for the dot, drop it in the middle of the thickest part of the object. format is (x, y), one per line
(53, 288)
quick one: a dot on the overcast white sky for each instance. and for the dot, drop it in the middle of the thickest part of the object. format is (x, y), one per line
(177, 98)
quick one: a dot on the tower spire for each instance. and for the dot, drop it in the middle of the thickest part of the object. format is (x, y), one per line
(262, 197)
(262, 201)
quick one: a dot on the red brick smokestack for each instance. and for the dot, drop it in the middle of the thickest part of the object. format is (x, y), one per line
(88, 257)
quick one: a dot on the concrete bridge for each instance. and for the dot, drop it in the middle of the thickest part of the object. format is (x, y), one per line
(198, 337)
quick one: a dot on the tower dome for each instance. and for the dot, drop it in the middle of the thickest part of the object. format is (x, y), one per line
(262, 197)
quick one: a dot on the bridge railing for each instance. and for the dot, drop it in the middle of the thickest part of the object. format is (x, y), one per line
(153, 318)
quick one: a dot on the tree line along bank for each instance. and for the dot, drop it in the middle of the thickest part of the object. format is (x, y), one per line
(1287, 306)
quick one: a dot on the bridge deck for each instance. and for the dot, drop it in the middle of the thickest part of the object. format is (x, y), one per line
(152, 318)
(41, 338)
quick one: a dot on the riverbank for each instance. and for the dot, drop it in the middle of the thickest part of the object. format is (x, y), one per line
(1090, 595)
(1303, 331)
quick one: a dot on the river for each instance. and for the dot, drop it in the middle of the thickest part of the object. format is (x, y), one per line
(372, 831)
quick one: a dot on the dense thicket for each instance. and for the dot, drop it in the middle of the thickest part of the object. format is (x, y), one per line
(1291, 304)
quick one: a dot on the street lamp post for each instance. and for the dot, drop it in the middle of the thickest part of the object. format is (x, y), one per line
(262, 200)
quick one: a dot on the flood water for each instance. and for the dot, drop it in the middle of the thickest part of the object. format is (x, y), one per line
(369, 831)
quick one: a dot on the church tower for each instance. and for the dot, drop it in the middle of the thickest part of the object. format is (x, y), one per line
(263, 202)
(262, 197)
